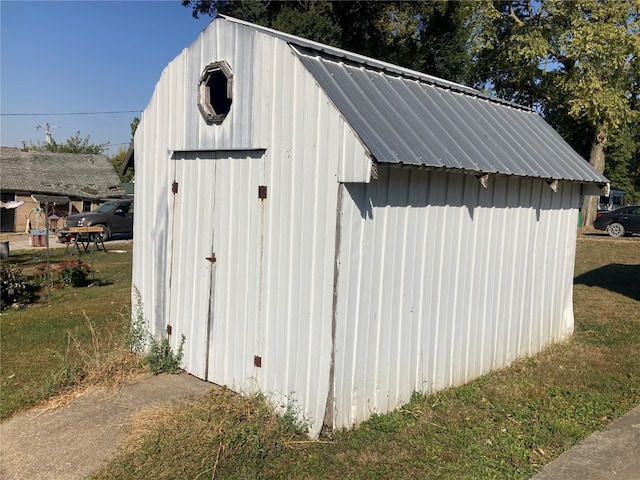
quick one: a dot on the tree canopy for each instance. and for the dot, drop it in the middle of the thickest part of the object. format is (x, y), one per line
(74, 144)
(574, 61)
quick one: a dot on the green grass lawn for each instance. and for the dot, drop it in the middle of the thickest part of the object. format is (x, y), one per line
(507, 424)
(48, 347)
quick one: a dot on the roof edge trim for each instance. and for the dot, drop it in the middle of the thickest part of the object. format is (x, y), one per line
(464, 171)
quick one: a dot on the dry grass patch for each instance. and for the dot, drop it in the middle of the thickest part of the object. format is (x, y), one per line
(224, 436)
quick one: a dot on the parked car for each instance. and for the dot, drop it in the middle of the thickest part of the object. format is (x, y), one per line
(623, 221)
(114, 216)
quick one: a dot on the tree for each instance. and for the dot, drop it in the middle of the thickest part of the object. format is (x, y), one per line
(568, 59)
(444, 39)
(74, 144)
(117, 160)
(427, 36)
(134, 126)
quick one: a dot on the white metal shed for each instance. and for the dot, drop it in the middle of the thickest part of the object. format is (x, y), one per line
(339, 232)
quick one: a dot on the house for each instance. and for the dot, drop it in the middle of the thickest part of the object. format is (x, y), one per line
(338, 232)
(78, 181)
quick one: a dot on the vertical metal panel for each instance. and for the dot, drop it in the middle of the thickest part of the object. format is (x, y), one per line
(442, 280)
(273, 275)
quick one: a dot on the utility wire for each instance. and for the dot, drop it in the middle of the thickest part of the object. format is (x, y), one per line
(70, 113)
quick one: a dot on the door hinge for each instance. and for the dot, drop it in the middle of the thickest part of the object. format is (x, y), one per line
(212, 258)
(174, 187)
(262, 191)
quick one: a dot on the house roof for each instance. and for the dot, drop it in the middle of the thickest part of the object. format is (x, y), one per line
(75, 175)
(409, 118)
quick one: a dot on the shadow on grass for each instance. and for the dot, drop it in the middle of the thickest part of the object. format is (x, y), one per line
(615, 277)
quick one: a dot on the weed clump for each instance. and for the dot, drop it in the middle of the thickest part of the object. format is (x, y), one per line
(161, 358)
(157, 354)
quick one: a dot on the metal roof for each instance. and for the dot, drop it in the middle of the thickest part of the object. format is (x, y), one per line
(407, 121)
(410, 118)
(77, 175)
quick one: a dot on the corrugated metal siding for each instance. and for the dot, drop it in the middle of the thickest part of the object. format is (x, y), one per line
(442, 280)
(403, 120)
(273, 278)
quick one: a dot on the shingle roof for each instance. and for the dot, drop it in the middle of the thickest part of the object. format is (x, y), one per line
(406, 117)
(77, 175)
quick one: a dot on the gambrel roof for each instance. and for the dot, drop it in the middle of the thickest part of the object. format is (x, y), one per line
(409, 118)
(76, 175)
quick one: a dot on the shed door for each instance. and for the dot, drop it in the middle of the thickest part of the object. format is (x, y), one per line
(216, 261)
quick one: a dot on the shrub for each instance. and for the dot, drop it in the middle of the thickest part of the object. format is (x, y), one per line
(15, 287)
(73, 273)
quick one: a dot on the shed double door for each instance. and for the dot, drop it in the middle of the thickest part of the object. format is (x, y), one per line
(216, 269)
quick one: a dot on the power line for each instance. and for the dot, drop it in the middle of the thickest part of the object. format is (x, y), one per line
(69, 113)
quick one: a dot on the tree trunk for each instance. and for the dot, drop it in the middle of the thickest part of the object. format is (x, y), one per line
(596, 158)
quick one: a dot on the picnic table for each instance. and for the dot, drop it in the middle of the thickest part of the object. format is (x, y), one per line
(84, 237)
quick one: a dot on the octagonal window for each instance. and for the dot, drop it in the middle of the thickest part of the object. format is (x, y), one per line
(215, 92)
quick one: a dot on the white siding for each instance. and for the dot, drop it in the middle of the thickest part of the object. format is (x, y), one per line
(273, 278)
(441, 280)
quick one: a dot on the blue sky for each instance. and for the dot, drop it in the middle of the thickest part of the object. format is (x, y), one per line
(83, 57)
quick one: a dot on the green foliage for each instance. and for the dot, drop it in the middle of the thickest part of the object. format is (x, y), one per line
(134, 125)
(157, 354)
(444, 38)
(138, 335)
(118, 160)
(623, 162)
(15, 287)
(73, 273)
(426, 36)
(161, 359)
(552, 53)
(292, 417)
(75, 144)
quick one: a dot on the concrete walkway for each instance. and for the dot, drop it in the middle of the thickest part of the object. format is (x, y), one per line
(74, 441)
(613, 453)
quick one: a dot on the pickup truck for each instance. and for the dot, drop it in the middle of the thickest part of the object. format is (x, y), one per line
(114, 216)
